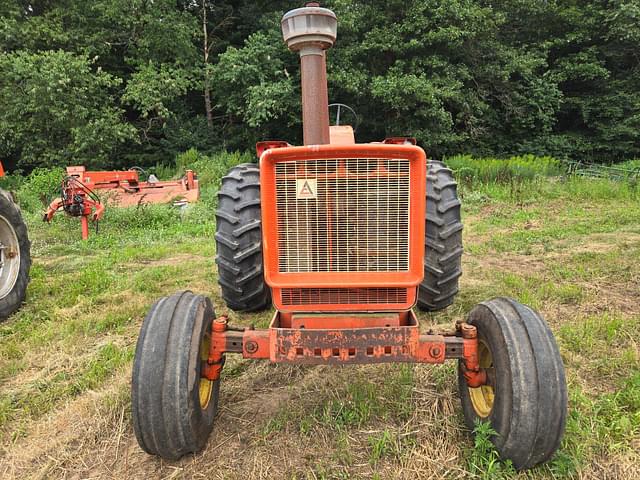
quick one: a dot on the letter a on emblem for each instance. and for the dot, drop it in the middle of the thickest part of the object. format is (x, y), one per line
(306, 188)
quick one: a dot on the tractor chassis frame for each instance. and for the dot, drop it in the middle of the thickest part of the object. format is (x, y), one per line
(344, 340)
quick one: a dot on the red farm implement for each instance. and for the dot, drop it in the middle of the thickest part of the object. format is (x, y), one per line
(79, 193)
(125, 189)
(343, 239)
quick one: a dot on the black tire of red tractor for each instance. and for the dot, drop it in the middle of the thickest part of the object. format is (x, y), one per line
(443, 240)
(14, 299)
(239, 241)
(530, 405)
(168, 419)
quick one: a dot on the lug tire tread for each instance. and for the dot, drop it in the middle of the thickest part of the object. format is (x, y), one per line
(443, 240)
(239, 241)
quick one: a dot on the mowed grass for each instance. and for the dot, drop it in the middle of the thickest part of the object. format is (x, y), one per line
(568, 247)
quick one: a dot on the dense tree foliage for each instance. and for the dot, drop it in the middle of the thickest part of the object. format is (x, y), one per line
(123, 82)
(56, 109)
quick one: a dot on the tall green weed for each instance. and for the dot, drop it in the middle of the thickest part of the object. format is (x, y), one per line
(469, 169)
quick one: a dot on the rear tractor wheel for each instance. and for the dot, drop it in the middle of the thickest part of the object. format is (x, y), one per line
(525, 396)
(443, 240)
(15, 256)
(239, 241)
(173, 406)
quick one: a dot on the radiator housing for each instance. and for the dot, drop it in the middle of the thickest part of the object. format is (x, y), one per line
(343, 226)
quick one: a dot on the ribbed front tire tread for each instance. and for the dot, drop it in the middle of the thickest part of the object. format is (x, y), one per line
(168, 420)
(529, 412)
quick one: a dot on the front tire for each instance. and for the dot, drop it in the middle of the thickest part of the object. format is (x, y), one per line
(15, 256)
(173, 406)
(443, 240)
(525, 399)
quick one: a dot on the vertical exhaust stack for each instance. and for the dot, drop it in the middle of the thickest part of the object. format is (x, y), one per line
(310, 31)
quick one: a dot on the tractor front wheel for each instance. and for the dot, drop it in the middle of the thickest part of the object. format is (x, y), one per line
(525, 397)
(173, 406)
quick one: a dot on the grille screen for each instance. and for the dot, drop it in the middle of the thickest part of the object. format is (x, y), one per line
(349, 215)
(332, 296)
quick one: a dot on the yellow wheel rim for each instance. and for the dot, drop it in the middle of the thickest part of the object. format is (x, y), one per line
(206, 385)
(482, 397)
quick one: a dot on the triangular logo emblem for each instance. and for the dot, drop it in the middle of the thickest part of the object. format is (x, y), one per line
(306, 188)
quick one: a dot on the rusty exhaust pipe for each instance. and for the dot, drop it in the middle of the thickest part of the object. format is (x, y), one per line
(310, 31)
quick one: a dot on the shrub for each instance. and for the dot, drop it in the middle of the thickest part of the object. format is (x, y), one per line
(40, 187)
(12, 182)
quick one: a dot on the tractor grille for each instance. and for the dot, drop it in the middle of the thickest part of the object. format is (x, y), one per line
(348, 215)
(343, 296)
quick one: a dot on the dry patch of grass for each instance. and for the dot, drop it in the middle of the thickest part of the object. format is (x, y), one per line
(75, 333)
(81, 430)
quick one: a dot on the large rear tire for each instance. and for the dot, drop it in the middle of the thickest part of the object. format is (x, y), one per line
(443, 240)
(15, 256)
(239, 241)
(174, 407)
(525, 398)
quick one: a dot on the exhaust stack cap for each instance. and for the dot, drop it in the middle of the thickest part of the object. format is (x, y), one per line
(310, 29)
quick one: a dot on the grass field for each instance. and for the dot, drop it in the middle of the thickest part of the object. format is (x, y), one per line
(570, 248)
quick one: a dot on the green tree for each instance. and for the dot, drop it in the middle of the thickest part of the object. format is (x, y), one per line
(433, 69)
(557, 77)
(594, 57)
(56, 110)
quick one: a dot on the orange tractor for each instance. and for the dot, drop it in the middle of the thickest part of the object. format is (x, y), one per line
(344, 239)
